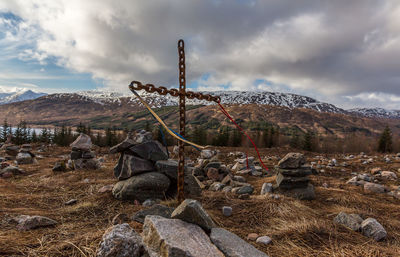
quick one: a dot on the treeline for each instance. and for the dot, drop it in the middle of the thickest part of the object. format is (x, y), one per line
(265, 137)
(62, 136)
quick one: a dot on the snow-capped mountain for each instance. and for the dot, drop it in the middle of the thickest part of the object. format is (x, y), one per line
(19, 96)
(288, 100)
(227, 97)
(376, 113)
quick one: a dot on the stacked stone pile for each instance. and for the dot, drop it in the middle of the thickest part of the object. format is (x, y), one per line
(212, 175)
(25, 155)
(248, 166)
(145, 172)
(9, 150)
(292, 177)
(187, 231)
(81, 155)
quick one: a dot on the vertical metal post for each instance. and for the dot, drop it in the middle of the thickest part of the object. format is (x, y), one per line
(182, 114)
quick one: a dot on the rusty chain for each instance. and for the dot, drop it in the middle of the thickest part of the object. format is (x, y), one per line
(150, 88)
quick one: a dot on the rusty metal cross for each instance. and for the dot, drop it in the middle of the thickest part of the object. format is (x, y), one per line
(182, 94)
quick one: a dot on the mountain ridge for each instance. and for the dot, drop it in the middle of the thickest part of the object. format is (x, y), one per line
(288, 100)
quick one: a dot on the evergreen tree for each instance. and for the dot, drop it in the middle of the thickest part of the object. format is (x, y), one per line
(295, 140)
(199, 135)
(45, 136)
(308, 141)
(34, 137)
(222, 138)
(385, 141)
(236, 138)
(4, 132)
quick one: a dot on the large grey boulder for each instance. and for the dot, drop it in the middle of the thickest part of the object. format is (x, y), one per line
(176, 238)
(83, 143)
(232, 245)
(150, 150)
(372, 228)
(26, 222)
(142, 187)
(157, 209)
(292, 161)
(191, 211)
(121, 241)
(129, 165)
(351, 221)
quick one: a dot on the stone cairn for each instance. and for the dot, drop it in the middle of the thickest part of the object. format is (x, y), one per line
(292, 177)
(81, 155)
(212, 175)
(145, 172)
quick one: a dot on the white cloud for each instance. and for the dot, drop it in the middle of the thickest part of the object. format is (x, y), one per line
(330, 49)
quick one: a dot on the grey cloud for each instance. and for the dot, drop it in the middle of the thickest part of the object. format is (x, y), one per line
(332, 48)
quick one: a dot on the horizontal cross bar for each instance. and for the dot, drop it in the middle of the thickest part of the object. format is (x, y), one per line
(136, 85)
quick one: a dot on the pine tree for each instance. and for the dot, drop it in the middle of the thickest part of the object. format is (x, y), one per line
(45, 136)
(4, 132)
(34, 137)
(385, 141)
(199, 135)
(308, 141)
(295, 140)
(236, 138)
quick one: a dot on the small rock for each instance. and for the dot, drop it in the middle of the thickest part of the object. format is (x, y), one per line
(71, 202)
(216, 186)
(207, 154)
(150, 202)
(212, 173)
(373, 188)
(266, 188)
(292, 160)
(26, 222)
(264, 240)
(388, 174)
(191, 211)
(239, 179)
(121, 241)
(83, 142)
(244, 196)
(107, 188)
(59, 166)
(157, 209)
(232, 245)
(252, 236)
(352, 221)
(245, 190)
(227, 211)
(372, 228)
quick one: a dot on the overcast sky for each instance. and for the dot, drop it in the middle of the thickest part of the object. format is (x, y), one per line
(346, 52)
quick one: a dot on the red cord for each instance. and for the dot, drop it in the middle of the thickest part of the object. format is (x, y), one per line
(241, 130)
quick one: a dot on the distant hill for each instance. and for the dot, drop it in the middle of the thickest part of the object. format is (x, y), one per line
(251, 109)
(18, 96)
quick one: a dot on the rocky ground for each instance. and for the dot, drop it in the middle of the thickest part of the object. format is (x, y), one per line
(77, 207)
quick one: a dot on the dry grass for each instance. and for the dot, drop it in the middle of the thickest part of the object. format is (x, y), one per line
(298, 228)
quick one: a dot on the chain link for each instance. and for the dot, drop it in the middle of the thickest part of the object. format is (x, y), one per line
(150, 88)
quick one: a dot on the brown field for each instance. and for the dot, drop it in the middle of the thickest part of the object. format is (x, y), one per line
(297, 228)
